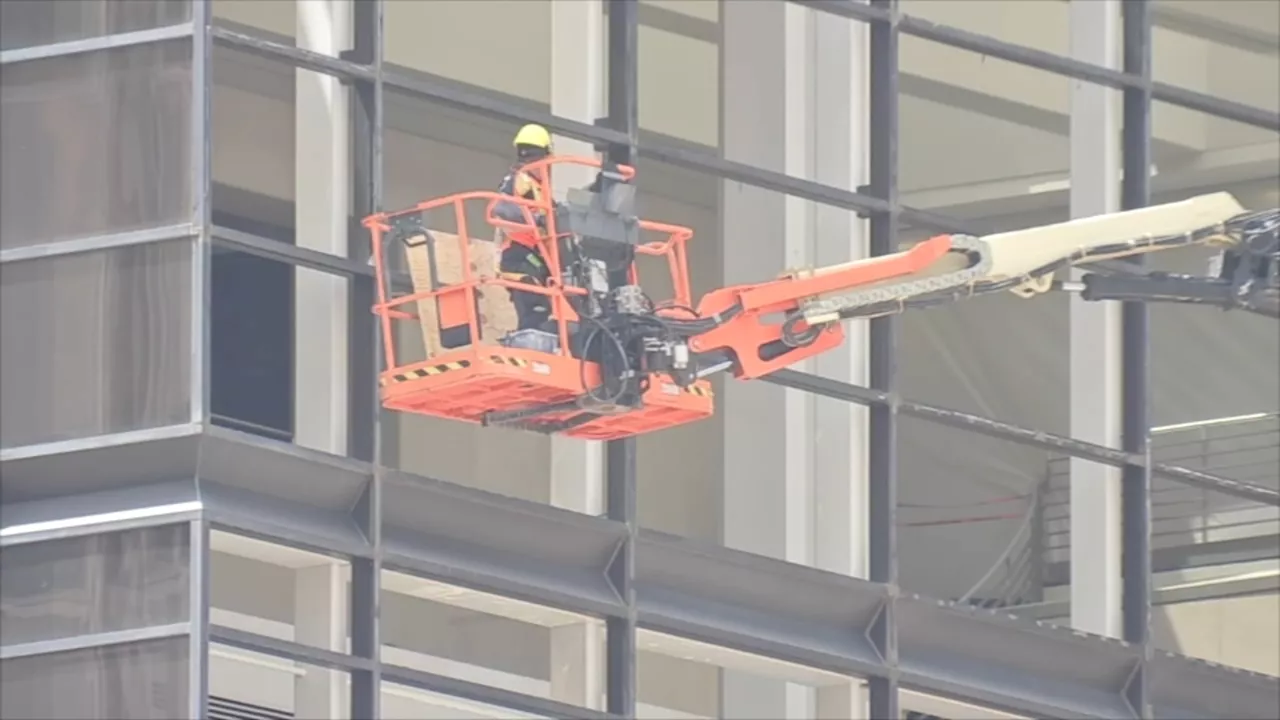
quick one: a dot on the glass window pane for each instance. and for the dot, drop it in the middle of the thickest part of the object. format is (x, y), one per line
(28, 23)
(461, 40)
(95, 343)
(253, 162)
(1225, 48)
(277, 17)
(94, 584)
(95, 143)
(140, 680)
(252, 335)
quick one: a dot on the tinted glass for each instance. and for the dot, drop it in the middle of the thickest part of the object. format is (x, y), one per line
(95, 143)
(95, 343)
(139, 680)
(28, 23)
(94, 584)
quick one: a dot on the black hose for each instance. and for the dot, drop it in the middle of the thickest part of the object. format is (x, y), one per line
(604, 381)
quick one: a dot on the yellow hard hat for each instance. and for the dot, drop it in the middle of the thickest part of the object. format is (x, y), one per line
(534, 135)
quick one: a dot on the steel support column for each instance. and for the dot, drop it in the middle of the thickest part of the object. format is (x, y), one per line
(198, 619)
(1136, 479)
(201, 207)
(201, 317)
(366, 199)
(620, 455)
(882, 454)
(365, 436)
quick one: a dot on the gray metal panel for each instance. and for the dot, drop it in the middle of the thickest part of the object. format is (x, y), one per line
(147, 459)
(1182, 687)
(754, 603)
(991, 651)
(93, 44)
(243, 460)
(291, 521)
(114, 500)
(537, 552)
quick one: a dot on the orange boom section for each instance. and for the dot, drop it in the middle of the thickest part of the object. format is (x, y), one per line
(448, 324)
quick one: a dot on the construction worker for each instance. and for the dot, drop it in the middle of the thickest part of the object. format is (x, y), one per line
(522, 258)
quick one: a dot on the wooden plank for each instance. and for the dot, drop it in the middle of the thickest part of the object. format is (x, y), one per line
(436, 261)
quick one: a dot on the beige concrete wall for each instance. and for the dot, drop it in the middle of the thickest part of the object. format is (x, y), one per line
(1239, 632)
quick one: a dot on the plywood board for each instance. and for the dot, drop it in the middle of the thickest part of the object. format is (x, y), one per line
(436, 261)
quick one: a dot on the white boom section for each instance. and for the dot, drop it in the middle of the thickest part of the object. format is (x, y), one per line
(1024, 254)
(1017, 253)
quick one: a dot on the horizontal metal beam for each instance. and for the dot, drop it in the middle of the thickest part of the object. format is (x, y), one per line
(1023, 436)
(1049, 62)
(95, 640)
(282, 252)
(1184, 687)
(290, 254)
(758, 605)
(96, 243)
(286, 649)
(95, 513)
(767, 179)
(1215, 106)
(298, 57)
(98, 43)
(457, 96)
(539, 553)
(558, 558)
(490, 695)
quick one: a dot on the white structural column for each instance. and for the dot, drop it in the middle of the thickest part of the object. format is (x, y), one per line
(577, 466)
(322, 185)
(838, 124)
(794, 466)
(1095, 332)
(320, 620)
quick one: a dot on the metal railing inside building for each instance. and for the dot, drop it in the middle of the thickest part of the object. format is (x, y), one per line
(1245, 448)
(1191, 527)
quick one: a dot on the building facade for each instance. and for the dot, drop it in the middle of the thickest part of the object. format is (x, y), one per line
(206, 513)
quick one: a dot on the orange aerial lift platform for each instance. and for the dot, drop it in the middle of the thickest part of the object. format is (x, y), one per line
(613, 362)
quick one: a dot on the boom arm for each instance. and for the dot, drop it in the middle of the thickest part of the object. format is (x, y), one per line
(756, 329)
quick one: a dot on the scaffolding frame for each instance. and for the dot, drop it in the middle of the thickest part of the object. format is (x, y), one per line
(891, 654)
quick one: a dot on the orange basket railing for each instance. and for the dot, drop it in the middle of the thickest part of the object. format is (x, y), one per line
(390, 306)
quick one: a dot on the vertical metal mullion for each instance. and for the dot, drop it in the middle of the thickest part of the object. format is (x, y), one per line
(364, 353)
(620, 464)
(366, 196)
(882, 455)
(198, 617)
(1136, 479)
(201, 169)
